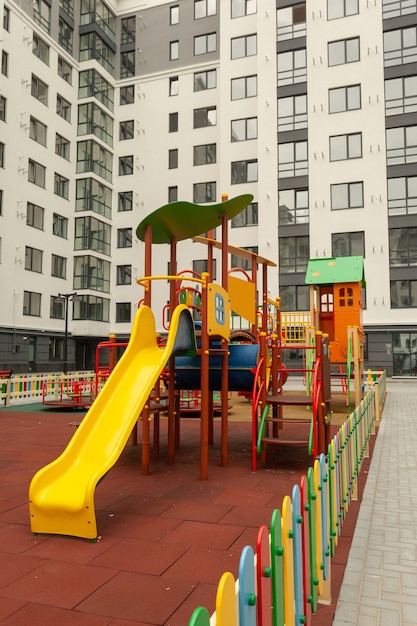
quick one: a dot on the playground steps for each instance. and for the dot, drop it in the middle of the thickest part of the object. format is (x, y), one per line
(296, 400)
(290, 400)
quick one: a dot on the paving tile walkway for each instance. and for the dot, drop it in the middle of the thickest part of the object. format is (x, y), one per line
(379, 587)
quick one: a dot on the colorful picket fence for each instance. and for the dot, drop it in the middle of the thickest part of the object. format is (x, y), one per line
(29, 387)
(283, 579)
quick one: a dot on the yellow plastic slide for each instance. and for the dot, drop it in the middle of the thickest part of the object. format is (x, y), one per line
(61, 495)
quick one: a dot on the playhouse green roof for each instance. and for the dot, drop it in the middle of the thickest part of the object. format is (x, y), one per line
(183, 220)
(346, 269)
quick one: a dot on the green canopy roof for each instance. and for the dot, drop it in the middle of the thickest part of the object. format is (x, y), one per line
(183, 220)
(345, 269)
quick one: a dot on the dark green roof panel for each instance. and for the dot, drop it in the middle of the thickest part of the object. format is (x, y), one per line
(345, 269)
(183, 220)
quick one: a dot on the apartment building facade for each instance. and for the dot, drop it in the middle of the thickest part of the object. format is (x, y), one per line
(109, 110)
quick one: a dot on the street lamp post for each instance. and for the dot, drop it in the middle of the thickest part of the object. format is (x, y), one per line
(67, 297)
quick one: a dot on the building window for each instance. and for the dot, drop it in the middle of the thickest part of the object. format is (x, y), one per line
(92, 157)
(401, 145)
(128, 30)
(37, 131)
(401, 95)
(63, 108)
(174, 15)
(207, 116)
(90, 272)
(3, 103)
(346, 196)
(403, 294)
(292, 67)
(36, 173)
(127, 64)
(56, 311)
(62, 147)
(245, 46)
(346, 147)
(348, 244)
(291, 22)
(33, 259)
(125, 201)
(58, 266)
(293, 206)
(173, 159)
(173, 122)
(127, 95)
(60, 226)
(4, 63)
(92, 195)
(61, 186)
(64, 70)
(292, 159)
(65, 35)
(67, 6)
(92, 234)
(204, 154)
(124, 237)
(93, 85)
(1, 213)
(172, 194)
(205, 43)
(294, 297)
(97, 12)
(292, 113)
(294, 254)
(174, 50)
(123, 312)
(174, 86)
(39, 90)
(400, 46)
(405, 354)
(402, 195)
(243, 129)
(344, 98)
(126, 165)
(92, 46)
(245, 264)
(2, 153)
(123, 275)
(239, 8)
(205, 80)
(341, 8)
(126, 130)
(92, 120)
(343, 51)
(91, 308)
(42, 14)
(396, 8)
(245, 87)
(201, 265)
(244, 171)
(34, 215)
(32, 303)
(403, 247)
(6, 18)
(40, 49)
(204, 192)
(204, 8)
(247, 217)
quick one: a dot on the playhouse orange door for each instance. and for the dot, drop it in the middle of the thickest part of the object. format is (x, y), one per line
(327, 311)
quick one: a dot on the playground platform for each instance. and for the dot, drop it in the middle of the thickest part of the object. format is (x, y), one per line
(165, 539)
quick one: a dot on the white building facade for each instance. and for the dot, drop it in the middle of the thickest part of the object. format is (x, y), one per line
(109, 110)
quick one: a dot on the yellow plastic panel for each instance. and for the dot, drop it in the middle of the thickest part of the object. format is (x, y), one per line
(242, 298)
(218, 319)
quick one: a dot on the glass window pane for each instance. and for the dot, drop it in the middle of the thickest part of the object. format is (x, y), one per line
(338, 148)
(356, 195)
(339, 195)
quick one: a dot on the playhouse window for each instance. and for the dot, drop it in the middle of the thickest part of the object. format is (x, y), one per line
(345, 296)
(327, 303)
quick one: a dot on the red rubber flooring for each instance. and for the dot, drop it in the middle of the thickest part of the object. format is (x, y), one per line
(165, 539)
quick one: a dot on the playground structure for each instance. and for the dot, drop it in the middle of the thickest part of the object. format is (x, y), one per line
(62, 493)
